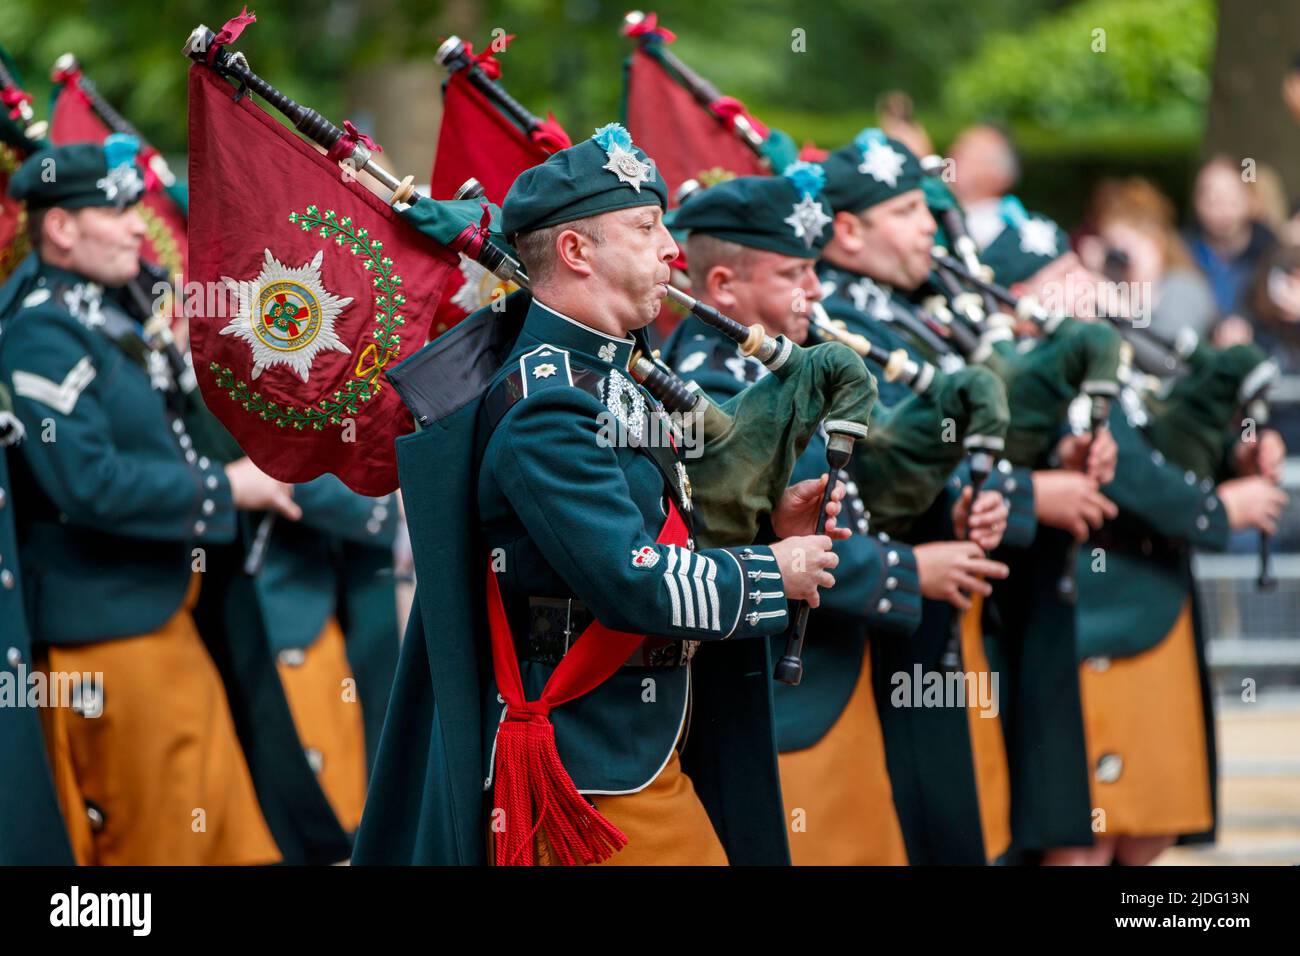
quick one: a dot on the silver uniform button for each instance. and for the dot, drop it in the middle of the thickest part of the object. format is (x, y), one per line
(95, 816)
(315, 759)
(293, 657)
(204, 462)
(208, 506)
(191, 457)
(892, 558)
(373, 526)
(1099, 664)
(14, 657)
(1207, 485)
(211, 482)
(380, 512)
(1109, 768)
(1202, 523)
(177, 427)
(200, 527)
(1011, 486)
(1189, 477)
(7, 579)
(891, 583)
(1158, 458)
(1211, 503)
(884, 606)
(186, 441)
(884, 538)
(1004, 466)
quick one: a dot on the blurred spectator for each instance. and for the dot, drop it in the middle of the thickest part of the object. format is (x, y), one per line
(1225, 241)
(1274, 312)
(898, 121)
(1137, 243)
(1268, 205)
(986, 168)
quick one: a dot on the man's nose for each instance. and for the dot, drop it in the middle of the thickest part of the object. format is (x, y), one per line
(669, 251)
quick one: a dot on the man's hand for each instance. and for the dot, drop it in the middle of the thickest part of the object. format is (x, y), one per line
(1253, 502)
(1069, 500)
(1095, 455)
(805, 564)
(949, 570)
(1263, 456)
(254, 490)
(797, 511)
(988, 522)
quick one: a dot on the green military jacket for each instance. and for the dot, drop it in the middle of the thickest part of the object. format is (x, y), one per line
(122, 504)
(118, 499)
(1129, 601)
(336, 561)
(928, 750)
(574, 519)
(876, 591)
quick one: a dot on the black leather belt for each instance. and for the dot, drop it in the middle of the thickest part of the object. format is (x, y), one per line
(1133, 538)
(555, 623)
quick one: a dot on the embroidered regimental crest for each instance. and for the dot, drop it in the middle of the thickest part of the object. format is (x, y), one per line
(626, 404)
(1038, 238)
(607, 352)
(623, 163)
(479, 288)
(880, 161)
(807, 217)
(646, 557)
(286, 315)
(545, 370)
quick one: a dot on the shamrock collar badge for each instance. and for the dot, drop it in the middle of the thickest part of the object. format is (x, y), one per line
(807, 217)
(623, 163)
(1038, 238)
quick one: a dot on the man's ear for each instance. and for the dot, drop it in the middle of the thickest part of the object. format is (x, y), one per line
(573, 251)
(848, 231)
(721, 286)
(60, 228)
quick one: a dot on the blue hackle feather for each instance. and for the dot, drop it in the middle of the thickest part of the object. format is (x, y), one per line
(807, 178)
(120, 150)
(871, 134)
(1013, 212)
(613, 135)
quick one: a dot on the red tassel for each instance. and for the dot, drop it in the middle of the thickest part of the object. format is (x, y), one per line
(650, 27)
(550, 135)
(728, 108)
(535, 793)
(231, 31)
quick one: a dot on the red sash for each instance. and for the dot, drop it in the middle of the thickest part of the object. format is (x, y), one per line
(532, 788)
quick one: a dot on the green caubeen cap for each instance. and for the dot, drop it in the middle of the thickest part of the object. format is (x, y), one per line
(786, 214)
(1028, 243)
(79, 175)
(870, 170)
(600, 174)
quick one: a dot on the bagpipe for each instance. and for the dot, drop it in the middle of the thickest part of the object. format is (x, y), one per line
(692, 130)
(749, 444)
(21, 134)
(18, 103)
(1071, 357)
(1188, 418)
(908, 456)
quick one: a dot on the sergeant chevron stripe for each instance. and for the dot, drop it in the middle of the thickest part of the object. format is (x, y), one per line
(691, 580)
(62, 397)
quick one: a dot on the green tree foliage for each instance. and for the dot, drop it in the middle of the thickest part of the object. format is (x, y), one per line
(1154, 64)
